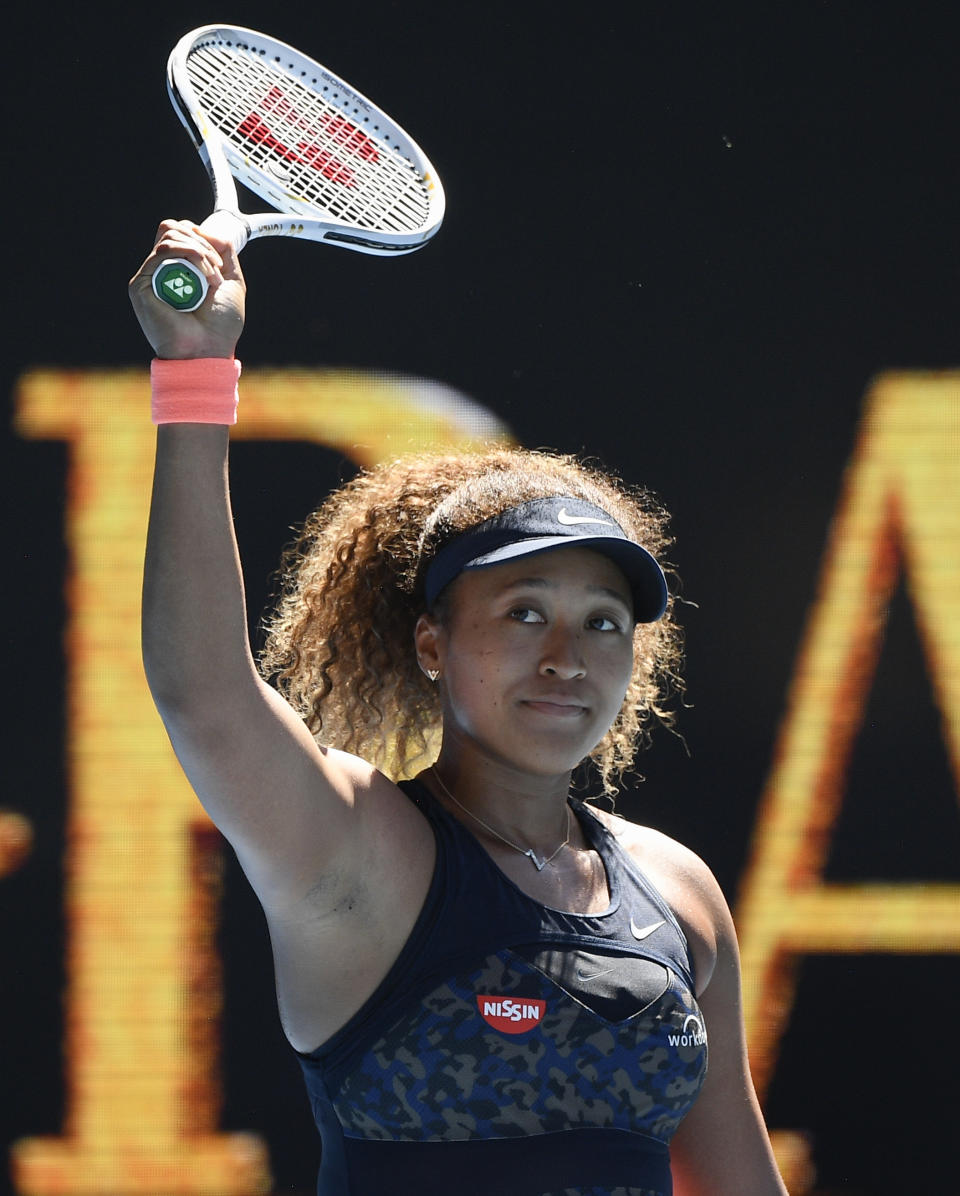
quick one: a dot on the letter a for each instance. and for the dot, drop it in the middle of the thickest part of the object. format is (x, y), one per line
(900, 513)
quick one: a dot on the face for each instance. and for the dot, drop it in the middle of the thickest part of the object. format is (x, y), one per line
(535, 656)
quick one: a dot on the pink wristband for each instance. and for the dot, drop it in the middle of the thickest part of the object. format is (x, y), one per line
(201, 390)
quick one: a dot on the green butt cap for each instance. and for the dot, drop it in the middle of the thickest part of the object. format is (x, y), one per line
(179, 285)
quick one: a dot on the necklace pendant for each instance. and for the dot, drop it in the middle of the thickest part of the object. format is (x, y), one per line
(528, 851)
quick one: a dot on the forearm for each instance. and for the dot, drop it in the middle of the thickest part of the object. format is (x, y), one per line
(195, 643)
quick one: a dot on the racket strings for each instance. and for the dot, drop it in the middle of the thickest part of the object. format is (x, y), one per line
(311, 148)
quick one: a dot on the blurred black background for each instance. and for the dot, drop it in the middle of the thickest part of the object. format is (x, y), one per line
(683, 238)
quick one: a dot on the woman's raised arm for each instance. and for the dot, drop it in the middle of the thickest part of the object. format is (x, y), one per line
(286, 805)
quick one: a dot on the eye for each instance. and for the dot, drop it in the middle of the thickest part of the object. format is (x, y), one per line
(526, 614)
(603, 623)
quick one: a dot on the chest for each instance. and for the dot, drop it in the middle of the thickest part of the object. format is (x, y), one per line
(575, 880)
(503, 1048)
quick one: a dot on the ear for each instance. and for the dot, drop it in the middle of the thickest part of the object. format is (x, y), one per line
(428, 639)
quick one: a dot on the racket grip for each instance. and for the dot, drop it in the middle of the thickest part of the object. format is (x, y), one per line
(179, 284)
(230, 226)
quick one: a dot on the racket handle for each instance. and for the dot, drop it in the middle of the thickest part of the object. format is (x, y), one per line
(179, 283)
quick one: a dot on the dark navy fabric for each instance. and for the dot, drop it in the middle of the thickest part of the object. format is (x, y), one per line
(513, 1049)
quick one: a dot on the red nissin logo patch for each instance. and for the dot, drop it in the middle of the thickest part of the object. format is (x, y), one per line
(510, 1014)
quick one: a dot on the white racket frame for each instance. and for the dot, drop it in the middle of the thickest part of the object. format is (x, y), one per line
(296, 216)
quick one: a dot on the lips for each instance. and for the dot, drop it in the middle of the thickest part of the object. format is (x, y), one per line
(556, 706)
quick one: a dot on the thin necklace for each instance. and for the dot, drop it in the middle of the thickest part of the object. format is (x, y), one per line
(527, 851)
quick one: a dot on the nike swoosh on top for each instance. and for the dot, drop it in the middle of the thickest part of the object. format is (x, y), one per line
(570, 520)
(643, 932)
(585, 976)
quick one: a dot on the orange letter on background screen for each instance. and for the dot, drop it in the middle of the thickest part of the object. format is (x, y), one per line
(142, 1087)
(900, 514)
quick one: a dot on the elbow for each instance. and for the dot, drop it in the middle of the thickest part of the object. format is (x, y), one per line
(175, 691)
(190, 684)
(180, 680)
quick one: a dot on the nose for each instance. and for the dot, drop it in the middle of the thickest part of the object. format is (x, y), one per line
(563, 656)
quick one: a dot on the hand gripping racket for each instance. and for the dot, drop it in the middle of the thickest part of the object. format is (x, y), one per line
(335, 167)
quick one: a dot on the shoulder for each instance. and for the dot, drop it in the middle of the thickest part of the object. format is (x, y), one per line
(687, 884)
(657, 853)
(389, 822)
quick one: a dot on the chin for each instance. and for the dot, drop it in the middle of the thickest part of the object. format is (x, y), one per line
(550, 761)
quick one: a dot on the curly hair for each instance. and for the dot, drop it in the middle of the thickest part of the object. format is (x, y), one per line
(339, 645)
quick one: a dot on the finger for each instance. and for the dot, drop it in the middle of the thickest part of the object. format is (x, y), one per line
(187, 240)
(183, 239)
(228, 257)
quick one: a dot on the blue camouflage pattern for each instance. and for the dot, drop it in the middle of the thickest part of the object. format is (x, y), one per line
(442, 1073)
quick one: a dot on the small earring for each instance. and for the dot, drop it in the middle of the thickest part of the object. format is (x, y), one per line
(433, 674)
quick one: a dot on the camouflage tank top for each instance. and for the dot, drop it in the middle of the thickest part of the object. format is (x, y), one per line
(514, 1049)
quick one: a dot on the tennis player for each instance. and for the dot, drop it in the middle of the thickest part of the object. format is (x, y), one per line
(493, 989)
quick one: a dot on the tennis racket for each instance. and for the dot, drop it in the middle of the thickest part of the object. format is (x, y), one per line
(334, 166)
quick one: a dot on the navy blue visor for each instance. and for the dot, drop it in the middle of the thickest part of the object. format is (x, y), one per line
(549, 523)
